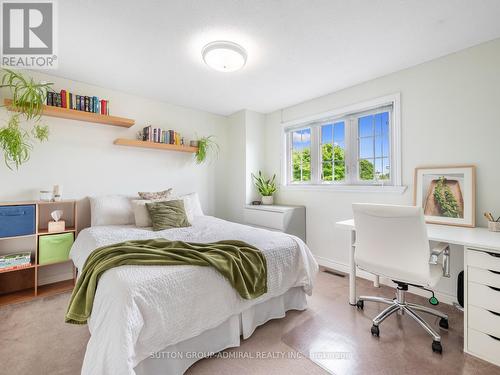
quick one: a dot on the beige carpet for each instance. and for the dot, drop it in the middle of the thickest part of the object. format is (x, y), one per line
(34, 340)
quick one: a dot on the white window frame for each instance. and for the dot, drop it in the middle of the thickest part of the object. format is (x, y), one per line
(352, 182)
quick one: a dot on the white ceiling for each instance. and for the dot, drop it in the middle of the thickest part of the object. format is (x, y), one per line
(297, 49)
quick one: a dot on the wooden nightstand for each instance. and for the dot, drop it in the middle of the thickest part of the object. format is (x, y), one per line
(287, 219)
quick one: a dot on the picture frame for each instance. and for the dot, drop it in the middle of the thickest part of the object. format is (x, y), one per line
(446, 194)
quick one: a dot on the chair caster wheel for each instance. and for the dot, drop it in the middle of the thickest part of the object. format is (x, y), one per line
(436, 347)
(443, 323)
(375, 331)
(360, 304)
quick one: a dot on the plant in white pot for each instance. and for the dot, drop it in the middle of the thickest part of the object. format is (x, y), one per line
(265, 187)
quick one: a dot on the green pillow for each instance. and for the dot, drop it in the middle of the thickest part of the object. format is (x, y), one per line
(168, 214)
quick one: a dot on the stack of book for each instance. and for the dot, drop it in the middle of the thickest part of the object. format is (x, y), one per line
(66, 99)
(15, 261)
(157, 135)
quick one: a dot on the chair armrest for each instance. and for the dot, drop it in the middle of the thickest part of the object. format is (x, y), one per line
(436, 251)
(440, 247)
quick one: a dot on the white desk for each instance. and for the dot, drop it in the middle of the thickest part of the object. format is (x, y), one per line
(481, 278)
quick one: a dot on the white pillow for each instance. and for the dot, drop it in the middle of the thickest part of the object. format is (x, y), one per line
(111, 210)
(141, 213)
(192, 205)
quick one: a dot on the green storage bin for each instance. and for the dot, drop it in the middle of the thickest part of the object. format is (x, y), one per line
(54, 248)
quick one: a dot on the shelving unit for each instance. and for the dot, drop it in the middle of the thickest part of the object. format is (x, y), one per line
(154, 145)
(23, 284)
(72, 114)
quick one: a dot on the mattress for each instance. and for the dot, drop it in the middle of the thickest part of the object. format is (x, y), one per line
(138, 310)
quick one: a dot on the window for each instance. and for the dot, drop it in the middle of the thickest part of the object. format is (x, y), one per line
(373, 147)
(358, 146)
(301, 155)
(333, 166)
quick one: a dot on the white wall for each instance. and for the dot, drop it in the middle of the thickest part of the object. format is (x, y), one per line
(255, 160)
(245, 155)
(81, 157)
(450, 115)
(234, 182)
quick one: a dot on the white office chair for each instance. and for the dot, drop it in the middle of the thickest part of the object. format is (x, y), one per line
(391, 241)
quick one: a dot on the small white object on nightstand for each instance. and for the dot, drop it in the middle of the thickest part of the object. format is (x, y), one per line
(287, 219)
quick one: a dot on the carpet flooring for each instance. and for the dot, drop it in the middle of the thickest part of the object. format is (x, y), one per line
(35, 340)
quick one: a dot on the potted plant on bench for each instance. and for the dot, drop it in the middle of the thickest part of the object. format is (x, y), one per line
(265, 187)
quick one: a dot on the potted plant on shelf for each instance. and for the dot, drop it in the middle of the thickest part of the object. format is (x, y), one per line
(265, 187)
(206, 146)
(28, 98)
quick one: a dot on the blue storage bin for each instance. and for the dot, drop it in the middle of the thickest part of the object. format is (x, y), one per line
(17, 220)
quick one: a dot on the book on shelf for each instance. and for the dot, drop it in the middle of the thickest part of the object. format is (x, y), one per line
(146, 133)
(63, 98)
(15, 260)
(158, 135)
(69, 100)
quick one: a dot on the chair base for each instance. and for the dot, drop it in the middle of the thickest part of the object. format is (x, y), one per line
(402, 307)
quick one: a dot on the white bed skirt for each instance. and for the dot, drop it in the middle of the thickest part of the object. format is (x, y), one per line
(176, 359)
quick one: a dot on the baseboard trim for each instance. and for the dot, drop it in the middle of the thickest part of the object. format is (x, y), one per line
(449, 299)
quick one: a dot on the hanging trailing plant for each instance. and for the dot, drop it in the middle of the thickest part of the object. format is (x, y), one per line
(28, 98)
(206, 146)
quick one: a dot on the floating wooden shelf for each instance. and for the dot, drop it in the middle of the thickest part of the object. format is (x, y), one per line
(73, 114)
(158, 146)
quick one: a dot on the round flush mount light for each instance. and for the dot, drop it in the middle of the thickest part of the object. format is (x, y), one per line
(224, 56)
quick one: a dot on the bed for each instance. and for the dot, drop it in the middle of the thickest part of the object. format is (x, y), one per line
(159, 319)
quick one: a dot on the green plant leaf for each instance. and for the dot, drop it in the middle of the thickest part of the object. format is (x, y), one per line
(265, 187)
(28, 98)
(206, 146)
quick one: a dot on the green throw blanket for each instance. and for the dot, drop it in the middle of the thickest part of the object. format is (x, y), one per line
(243, 265)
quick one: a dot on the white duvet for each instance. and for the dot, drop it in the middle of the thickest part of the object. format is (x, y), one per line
(139, 310)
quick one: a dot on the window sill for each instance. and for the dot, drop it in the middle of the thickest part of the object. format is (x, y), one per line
(346, 188)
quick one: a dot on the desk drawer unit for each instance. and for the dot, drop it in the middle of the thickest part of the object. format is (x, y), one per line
(483, 305)
(484, 296)
(484, 321)
(17, 220)
(483, 259)
(484, 345)
(484, 277)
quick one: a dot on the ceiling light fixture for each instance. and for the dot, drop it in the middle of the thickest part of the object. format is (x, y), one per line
(224, 56)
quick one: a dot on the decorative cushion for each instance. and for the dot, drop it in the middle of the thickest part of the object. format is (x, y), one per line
(168, 214)
(156, 196)
(111, 210)
(141, 213)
